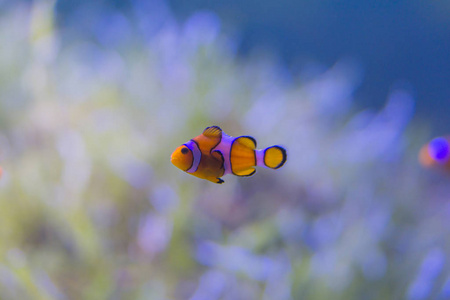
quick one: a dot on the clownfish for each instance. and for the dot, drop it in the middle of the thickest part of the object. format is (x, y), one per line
(436, 153)
(214, 154)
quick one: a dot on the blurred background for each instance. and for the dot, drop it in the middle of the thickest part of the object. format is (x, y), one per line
(95, 96)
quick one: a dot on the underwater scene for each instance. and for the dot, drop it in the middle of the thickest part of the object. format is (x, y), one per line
(353, 203)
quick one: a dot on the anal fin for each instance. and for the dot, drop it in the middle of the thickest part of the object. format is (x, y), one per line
(215, 180)
(245, 173)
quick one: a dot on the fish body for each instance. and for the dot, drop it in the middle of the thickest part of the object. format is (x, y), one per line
(214, 154)
(436, 153)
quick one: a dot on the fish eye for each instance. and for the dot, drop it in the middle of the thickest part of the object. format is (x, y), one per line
(184, 150)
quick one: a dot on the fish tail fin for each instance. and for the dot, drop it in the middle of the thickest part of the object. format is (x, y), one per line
(273, 157)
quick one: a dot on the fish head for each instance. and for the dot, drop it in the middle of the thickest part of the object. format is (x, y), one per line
(182, 158)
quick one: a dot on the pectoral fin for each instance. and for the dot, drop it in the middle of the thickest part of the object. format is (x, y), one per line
(219, 157)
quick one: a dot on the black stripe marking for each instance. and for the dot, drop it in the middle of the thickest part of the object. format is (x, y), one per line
(231, 149)
(212, 148)
(264, 157)
(283, 151)
(197, 145)
(194, 157)
(192, 162)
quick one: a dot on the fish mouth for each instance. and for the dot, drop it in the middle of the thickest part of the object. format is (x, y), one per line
(179, 163)
(175, 160)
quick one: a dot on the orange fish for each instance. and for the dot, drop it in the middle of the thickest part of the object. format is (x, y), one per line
(214, 154)
(436, 153)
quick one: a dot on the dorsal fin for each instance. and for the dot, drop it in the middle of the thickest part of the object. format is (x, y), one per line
(213, 132)
(247, 141)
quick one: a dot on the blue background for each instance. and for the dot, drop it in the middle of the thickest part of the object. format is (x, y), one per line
(397, 43)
